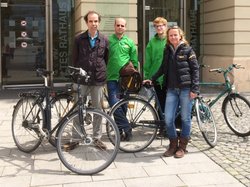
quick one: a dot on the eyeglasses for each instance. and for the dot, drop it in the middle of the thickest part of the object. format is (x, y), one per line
(118, 25)
(159, 26)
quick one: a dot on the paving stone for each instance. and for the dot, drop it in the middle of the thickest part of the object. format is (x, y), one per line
(227, 164)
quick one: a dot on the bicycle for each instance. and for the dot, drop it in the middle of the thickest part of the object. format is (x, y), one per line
(76, 146)
(143, 117)
(36, 113)
(235, 107)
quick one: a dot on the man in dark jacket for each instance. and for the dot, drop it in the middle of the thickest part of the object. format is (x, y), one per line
(90, 52)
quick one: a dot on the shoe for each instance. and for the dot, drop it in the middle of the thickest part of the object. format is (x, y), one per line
(172, 148)
(183, 142)
(70, 146)
(127, 136)
(100, 144)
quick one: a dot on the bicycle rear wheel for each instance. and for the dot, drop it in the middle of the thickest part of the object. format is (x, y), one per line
(206, 123)
(76, 145)
(236, 111)
(27, 120)
(60, 106)
(142, 118)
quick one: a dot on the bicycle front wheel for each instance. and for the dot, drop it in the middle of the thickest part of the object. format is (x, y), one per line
(27, 120)
(141, 117)
(77, 147)
(236, 111)
(60, 106)
(206, 123)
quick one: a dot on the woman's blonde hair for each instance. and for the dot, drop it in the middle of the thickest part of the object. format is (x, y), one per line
(181, 33)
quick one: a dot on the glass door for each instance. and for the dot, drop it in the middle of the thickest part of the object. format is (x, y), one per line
(22, 41)
(148, 10)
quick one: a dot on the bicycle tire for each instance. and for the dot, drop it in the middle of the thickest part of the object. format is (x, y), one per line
(60, 106)
(142, 118)
(206, 123)
(236, 111)
(25, 129)
(84, 157)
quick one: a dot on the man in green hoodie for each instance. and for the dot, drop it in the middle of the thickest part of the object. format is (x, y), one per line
(154, 57)
(121, 51)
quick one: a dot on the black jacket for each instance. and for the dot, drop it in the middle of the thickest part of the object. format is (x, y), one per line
(92, 60)
(187, 67)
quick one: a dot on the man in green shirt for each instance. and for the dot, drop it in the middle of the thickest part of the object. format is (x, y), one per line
(154, 58)
(121, 50)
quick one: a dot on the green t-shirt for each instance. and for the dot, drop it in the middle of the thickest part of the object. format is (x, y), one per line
(154, 57)
(120, 52)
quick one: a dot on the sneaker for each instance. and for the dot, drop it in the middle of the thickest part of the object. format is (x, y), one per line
(70, 146)
(100, 144)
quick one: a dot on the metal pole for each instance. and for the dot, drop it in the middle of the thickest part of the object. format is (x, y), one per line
(144, 35)
(49, 38)
(183, 15)
(1, 76)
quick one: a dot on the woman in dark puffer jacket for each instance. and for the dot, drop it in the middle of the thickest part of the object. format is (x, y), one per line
(181, 70)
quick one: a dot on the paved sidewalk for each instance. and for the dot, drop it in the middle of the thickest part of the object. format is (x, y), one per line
(146, 169)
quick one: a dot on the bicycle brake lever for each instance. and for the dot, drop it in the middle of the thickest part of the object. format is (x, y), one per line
(239, 66)
(82, 72)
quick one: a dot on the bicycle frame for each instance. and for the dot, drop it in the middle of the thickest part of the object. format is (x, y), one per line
(47, 109)
(42, 95)
(153, 95)
(227, 85)
(79, 105)
(221, 94)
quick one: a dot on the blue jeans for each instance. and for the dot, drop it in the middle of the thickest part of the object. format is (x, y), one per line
(176, 98)
(114, 94)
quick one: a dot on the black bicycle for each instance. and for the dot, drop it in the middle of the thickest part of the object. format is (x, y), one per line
(75, 143)
(37, 113)
(77, 147)
(142, 115)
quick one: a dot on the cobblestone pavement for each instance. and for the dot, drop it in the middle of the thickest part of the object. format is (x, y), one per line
(232, 152)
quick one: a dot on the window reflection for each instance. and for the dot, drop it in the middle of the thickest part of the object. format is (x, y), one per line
(62, 34)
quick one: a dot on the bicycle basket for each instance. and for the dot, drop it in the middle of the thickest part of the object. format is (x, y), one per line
(131, 83)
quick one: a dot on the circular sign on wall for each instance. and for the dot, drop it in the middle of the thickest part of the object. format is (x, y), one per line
(23, 34)
(24, 44)
(23, 23)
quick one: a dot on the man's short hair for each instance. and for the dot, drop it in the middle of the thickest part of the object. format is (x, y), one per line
(160, 20)
(92, 12)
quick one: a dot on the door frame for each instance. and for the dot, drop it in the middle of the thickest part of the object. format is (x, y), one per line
(48, 45)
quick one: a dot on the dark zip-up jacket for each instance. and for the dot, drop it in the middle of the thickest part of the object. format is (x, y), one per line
(186, 68)
(92, 60)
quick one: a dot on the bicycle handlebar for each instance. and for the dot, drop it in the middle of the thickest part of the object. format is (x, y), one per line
(228, 69)
(79, 71)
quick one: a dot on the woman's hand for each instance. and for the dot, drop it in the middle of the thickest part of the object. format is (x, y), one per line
(192, 95)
